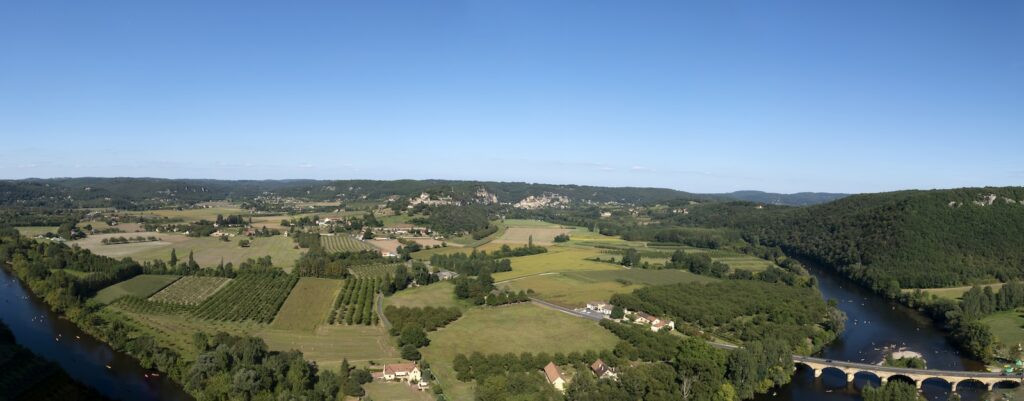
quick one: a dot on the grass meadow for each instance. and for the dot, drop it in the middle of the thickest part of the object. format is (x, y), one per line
(575, 289)
(141, 286)
(307, 305)
(556, 259)
(1007, 327)
(954, 292)
(395, 392)
(208, 251)
(343, 243)
(514, 328)
(36, 230)
(440, 294)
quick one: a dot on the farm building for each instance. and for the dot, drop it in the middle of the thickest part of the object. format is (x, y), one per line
(554, 376)
(600, 307)
(404, 372)
(602, 370)
(446, 275)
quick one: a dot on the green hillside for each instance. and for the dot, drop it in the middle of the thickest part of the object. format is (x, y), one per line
(932, 238)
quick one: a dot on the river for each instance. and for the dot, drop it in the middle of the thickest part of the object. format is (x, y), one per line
(85, 358)
(872, 323)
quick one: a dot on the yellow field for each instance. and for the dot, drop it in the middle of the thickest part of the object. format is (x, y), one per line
(521, 235)
(307, 305)
(955, 292)
(557, 259)
(208, 251)
(514, 328)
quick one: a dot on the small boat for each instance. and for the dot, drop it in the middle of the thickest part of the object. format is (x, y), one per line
(108, 366)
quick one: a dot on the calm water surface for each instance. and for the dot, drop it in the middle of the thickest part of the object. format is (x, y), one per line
(874, 322)
(84, 358)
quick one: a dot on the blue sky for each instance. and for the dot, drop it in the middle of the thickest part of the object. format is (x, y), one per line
(714, 96)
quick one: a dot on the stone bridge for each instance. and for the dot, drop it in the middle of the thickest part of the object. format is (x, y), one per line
(917, 376)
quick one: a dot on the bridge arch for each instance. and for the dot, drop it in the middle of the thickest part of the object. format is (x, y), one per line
(971, 382)
(1007, 383)
(940, 381)
(902, 378)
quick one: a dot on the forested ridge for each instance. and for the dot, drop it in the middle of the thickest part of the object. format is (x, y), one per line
(906, 239)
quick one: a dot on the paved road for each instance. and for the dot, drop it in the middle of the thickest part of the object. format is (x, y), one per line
(585, 315)
(380, 311)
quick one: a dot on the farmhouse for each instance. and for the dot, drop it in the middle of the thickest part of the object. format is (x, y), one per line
(404, 372)
(554, 376)
(602, 370)
(659, 324)
(643, 318)
(446, 275)
(600, 307)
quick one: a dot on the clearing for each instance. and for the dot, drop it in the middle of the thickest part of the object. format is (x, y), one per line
(556, 259)
(441, 294)
(954, 292)
(1006, 327)
(514, 328)
(575, 289)
(141, 286)
(36, 230)
(307, 305)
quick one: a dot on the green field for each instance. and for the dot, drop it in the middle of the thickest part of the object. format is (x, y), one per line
(307, 305)
(141, 286)
(250, 296)
(344, 243)
(515, 328)
(1008, 327)
(36, 230)
(208, 251)
(76, 273)
(395, 392)
(744, 262)
(557, 259)
(440, 294)
(328, 345)
(575, 289)
(955, 292)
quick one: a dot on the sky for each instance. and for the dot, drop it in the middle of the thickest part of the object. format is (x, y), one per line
(715, 96)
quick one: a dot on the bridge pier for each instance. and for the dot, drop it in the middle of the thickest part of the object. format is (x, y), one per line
(850, 376)
(988, 386)
(952, 386)
(882, 380)
(918, 383)
(817, 373)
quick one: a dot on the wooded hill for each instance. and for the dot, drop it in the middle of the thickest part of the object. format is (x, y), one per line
(128, 192)
(907, 239)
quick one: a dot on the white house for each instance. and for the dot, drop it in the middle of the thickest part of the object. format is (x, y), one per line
(405, 372)
(554, 376)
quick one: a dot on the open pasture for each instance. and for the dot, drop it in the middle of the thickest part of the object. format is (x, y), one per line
(556, 259)
(954, 292)
(190, 290)
(575, 289)
(307, 305)
(744, 262)
(441, 294)
(522, 235)
(514, 328)
(343, 243)
(208, 251)
(32, 231)
(141, 286)
(190, 215)
(1007, 327)
(328, 345)
(395, 392)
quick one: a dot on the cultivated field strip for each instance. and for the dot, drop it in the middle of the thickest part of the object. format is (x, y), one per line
(374, 271)
(250, 296)
(343, 243)
(354, 304)
(190, 290)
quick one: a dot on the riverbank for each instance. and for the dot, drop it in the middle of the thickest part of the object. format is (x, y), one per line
(85, 358)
